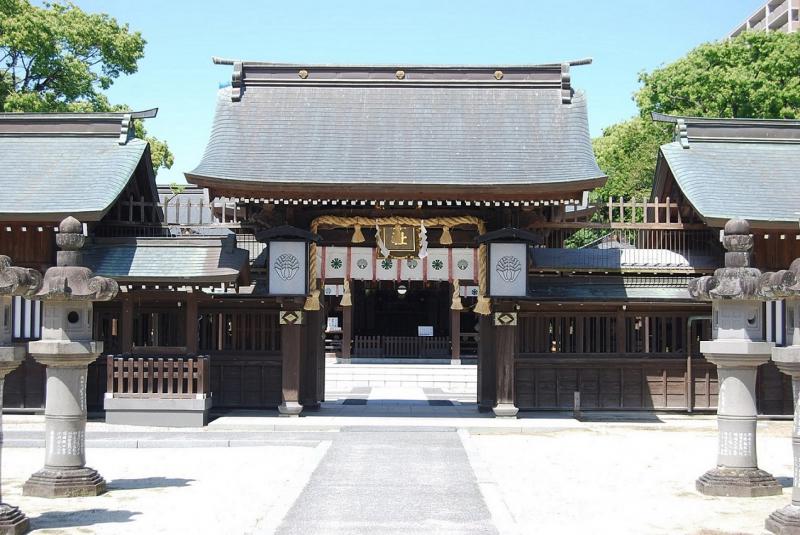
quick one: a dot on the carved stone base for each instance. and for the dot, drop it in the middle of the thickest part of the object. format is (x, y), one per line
(64, 483)
(785, 521)
(738, 482)
(12, 521)
(505, 410)
(290, 408)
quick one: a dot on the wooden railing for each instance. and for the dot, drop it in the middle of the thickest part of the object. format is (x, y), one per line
(627, 213)
(178, 211)
(402, 346)
(141, 377)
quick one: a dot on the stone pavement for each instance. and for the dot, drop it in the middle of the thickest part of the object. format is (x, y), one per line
(387, 460)
(391, 480)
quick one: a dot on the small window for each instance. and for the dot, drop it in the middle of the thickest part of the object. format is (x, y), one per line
(73, 317)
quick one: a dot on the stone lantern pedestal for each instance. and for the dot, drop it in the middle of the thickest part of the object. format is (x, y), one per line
(12, 520)
(66, 349)
(13, 281)
(737, 472)
(65, 473)
(786, 521)
(738, 349)
(786, 285)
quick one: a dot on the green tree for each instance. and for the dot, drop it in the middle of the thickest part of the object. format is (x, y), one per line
(627, 153)
(58, 58)
(756, 74)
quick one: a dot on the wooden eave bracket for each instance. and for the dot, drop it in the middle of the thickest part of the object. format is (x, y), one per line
(237, 85)
(125, 129)
(566, 87)
(682, 133)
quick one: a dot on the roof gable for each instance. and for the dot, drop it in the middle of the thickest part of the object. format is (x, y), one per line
(727, 168)
(281, 127)
(67, 164)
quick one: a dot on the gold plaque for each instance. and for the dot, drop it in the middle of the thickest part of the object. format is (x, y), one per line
(402, 241)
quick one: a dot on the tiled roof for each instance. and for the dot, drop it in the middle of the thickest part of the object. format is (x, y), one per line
(426, 133)
(754, 181)
(726, 168)
(167, 260)
(59, 164)
(64, 176)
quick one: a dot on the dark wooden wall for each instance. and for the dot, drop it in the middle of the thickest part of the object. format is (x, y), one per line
(775, 253)
(33, 248)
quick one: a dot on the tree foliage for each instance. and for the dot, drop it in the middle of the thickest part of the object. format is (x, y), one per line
(756, 74)
(58, 58)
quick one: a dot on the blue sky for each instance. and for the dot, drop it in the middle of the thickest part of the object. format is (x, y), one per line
(623, 36)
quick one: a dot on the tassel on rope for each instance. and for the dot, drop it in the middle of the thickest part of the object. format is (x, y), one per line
(456, 303)
(446, 238)
(358, 236)
(312, 301)
(483, 306)
(347, 300)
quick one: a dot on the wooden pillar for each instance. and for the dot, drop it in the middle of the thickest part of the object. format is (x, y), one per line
(505, 348)
(621, 332)
(126, 325)
(487, 387)
(347, 332)
(311, 391)
(291, 349)
(191, 323)
(455, 337)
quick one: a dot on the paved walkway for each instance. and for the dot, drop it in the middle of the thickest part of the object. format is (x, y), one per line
(391, 481)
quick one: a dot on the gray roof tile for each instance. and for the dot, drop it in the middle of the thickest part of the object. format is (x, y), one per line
(344, 135)
(759, 181)
(80, 176)
(167, 260)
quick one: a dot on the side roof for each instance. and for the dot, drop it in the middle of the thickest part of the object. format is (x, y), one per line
(59, 164)
(726, 168)
(424, 132)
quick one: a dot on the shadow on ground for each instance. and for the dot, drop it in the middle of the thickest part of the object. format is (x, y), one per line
(148, 483)
(399, 408)
(87, 517)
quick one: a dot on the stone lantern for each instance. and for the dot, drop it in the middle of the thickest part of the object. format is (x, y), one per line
(13, 281)
(786, 285)
(738, 349)
(66, 349)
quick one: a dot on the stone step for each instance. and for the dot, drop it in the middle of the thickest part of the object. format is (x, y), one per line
(449, 378)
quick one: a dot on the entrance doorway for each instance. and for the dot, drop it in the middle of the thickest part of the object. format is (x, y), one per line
(406, 346)
(401, 320)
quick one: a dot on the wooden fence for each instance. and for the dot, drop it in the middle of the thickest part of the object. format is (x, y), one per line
(139, 377)
(185, 212)
(627, 213)
(401, 346)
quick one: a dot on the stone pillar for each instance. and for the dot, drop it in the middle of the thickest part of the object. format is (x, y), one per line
(505, 345)
(67, 348)
(13, 281)
(786, 284)
(291, 322)
(737, 348)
